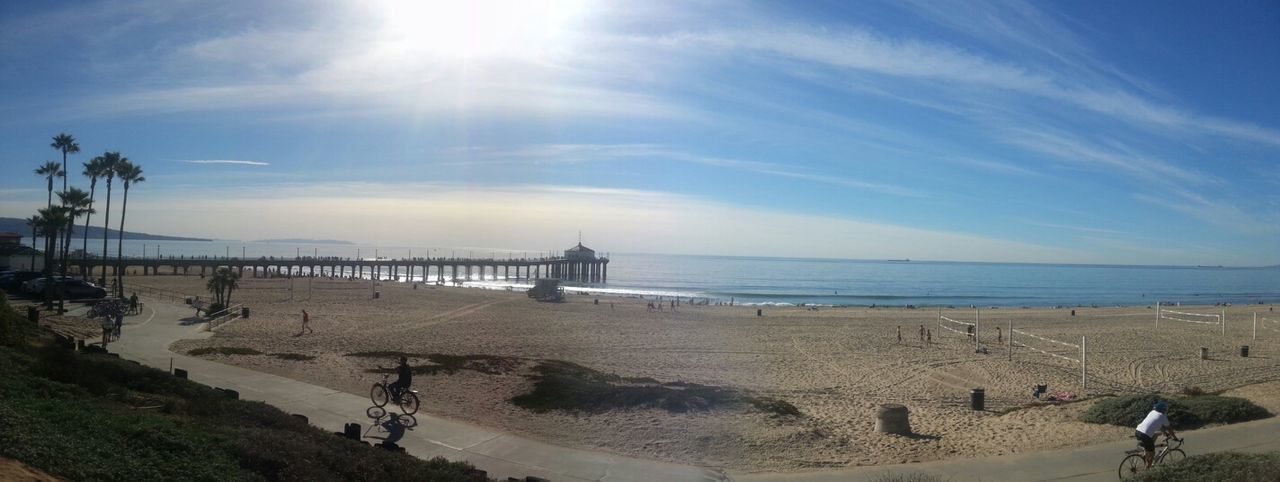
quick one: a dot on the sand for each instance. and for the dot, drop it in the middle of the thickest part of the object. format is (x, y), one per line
(836, 365)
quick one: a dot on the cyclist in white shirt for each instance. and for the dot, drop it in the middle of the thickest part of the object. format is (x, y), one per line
(1146, 431)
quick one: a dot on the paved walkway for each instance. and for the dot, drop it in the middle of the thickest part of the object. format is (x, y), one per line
(148, 336)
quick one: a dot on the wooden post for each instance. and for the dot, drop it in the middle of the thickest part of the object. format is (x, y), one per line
(1223, 322)
(1157, 315)
(1255, 326)
(977, 315)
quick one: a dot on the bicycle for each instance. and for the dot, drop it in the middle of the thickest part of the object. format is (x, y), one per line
(1134, 462)
(381, 394)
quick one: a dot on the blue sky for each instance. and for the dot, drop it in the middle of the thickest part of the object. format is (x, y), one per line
(1095, 132)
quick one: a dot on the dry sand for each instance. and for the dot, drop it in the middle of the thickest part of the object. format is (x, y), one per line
(836, 365)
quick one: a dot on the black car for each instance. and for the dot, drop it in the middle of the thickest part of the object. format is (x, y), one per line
(75, 289)
(12, 280)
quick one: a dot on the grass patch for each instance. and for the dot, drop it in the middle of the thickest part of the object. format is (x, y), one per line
(561, 385)
(75, 416)
(450, 364)
(385, 354)
(293, 356)
(1184, 412)
(223, 350)
(1221, 466)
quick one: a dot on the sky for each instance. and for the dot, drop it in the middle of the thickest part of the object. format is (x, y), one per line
(1062, 132)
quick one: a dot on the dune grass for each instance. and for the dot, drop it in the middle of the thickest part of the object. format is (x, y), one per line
(1221, 466)
(565, 386)
(1184, 412)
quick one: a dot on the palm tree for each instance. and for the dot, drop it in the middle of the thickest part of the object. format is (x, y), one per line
(92, 170)
(67, 144)
(51, 170)
(33, 222)
(109, 161)
(52, 220)
(78, 204)
(75, 203)
(128, 174)
(221, 284)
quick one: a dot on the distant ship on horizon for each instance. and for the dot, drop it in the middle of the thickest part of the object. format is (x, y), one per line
(899, 260)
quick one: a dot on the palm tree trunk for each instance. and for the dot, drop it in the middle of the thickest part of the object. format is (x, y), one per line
(106, 228)
(124, 208)
(64, 172)
(85, 273)
(33, 247)
(49, 203)
(66, 246)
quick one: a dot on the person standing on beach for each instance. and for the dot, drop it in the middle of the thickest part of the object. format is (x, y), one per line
(899, 334)
(928, 337)
(306, 324)
(922, 333)
(115, 329)
(133, 304)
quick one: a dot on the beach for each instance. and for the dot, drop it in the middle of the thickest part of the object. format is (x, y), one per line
(835, 365)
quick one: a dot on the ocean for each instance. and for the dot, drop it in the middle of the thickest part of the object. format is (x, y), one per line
(833, 282)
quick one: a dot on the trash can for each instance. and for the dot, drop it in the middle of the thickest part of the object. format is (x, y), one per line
(978, 399)
(33, 314)
(377, 294)
(1204, 353)
(1244, 351)
(759, 312)
(244, 311)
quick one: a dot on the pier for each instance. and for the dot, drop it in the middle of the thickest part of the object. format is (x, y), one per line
(579, 264)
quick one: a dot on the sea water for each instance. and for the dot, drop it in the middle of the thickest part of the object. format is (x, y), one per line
(832, 282)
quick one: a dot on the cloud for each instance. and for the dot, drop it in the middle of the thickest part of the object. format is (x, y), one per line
(1084, 229)
(226, 161)
(584, 153)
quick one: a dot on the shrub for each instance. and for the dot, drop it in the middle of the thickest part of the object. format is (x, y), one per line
(1184, 412)
(213, 308)
(293, 356)
(561, 385)
(1221, 466)
(223, 350)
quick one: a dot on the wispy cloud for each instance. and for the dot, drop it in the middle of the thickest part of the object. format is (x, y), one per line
(1084, 229)
(583, 153)
(225, 161)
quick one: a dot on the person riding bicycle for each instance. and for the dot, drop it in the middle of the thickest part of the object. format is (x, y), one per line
(404, 378)
(1146, 431)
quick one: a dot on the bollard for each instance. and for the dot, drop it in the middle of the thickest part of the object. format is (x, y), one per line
(180, 373)
(1204, 353)
(1244, 351)
(893, 418)
(351, 431)
(978, 399)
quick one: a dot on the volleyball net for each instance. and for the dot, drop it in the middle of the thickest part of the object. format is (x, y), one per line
(1213, 319)
(962, 327)
(1070, 352)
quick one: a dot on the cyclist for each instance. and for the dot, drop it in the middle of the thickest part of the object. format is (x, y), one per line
(1146, 431)
(404, 378)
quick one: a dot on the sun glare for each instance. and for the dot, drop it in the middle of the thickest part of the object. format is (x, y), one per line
(478, 28)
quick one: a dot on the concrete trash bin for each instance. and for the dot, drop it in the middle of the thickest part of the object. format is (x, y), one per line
(377, 294)
(33, 314)
(244, 312)
(1244, 351)
(1204, 353)
(978, 399)
(893, 418)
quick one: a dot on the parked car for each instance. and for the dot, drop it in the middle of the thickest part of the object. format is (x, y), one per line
(13, 280)
(76, 289)
(35, 286)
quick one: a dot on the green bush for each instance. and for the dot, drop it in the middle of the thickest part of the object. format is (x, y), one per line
(1184, 412)
(13, 327)
(1218, 467)
(213, 308)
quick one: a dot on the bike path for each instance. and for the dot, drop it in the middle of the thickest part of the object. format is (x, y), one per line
(148, 336)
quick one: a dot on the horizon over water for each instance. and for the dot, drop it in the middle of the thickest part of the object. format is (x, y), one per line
(834, 282)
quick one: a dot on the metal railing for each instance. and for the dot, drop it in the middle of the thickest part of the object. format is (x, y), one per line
(221, 317)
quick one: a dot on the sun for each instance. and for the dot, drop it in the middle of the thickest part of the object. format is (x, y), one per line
(477, 28)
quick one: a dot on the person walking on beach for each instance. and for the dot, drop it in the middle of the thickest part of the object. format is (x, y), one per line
(899, 334)
(133, 304)
(306, 324)
(928, 337)
(921, 333)
(115, 328)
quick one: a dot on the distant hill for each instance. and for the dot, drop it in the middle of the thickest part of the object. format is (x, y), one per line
(304, 241)
(20, 226)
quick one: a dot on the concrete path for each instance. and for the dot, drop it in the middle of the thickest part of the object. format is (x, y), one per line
(147, 338)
